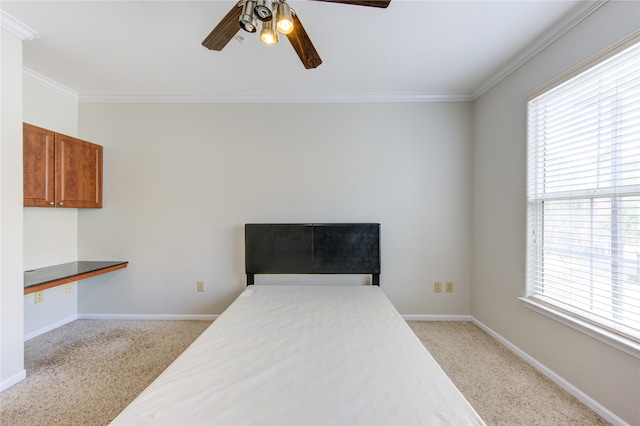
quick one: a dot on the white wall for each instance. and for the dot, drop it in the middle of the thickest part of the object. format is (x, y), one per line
(50, 234)
(11, 265)
(607, 375)
(181, 180)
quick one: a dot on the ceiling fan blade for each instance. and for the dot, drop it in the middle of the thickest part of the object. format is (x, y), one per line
(302, 45)
(225, 30)
(370, 3)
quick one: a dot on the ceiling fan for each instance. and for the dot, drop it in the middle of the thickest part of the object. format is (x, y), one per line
(276, 17)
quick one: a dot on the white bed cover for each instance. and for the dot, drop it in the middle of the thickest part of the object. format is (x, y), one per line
(304, 355)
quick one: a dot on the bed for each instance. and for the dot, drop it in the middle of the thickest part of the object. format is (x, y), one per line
(305, 354)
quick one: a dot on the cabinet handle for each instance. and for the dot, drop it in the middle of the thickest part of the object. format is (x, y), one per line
(61, 203)
(51, 203)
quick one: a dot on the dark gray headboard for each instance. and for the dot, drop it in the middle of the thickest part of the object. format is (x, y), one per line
(318, 248)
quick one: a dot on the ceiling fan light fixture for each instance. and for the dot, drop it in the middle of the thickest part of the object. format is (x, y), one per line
(247, 20)
(263, 10)
(284, 21)
(268, 34)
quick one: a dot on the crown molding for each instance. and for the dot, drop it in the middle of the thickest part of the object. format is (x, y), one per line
(272, 98)
(17, 28)
(269, 98)
(47, 83)
(557, 29)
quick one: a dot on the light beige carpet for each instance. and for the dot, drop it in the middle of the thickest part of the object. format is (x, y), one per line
(86, 372)
(503, 388)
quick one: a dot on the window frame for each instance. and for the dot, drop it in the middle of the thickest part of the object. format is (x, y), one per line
(538, 304)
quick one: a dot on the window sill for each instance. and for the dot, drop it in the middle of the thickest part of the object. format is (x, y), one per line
(626, 345)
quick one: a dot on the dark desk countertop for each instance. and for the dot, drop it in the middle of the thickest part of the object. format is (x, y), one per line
(66, 272)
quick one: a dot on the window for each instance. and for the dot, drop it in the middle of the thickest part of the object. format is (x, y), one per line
(583, 192)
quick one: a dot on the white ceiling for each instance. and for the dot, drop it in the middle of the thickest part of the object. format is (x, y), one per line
(412, 49)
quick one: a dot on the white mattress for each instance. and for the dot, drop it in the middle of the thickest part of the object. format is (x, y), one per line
(304, 355)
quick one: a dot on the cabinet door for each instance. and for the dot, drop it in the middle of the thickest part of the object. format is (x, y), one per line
(78, 173)
(38, 166)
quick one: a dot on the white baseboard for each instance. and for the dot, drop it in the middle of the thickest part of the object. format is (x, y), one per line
(49, 327)
(437, 317)
(6, 384)
(154, 317)
(577, 393)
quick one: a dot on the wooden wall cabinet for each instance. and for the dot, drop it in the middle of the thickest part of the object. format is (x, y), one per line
(60, 171)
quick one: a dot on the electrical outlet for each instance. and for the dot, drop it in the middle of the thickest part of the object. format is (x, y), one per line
(39, 296)
(449, 286)
(437, 286)
(68, 288)
(200, 285)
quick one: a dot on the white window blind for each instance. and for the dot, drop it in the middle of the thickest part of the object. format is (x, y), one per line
(583, 193)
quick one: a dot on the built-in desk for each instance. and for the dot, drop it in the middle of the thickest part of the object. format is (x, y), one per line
(52, 276)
